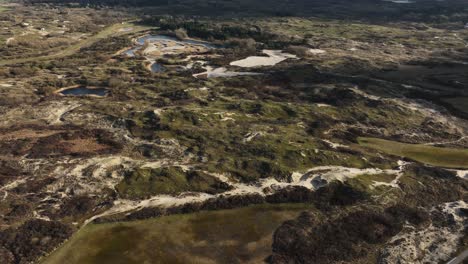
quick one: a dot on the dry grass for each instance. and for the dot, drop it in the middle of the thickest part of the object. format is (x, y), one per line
(227, 236)
(28, 133)
(83, 146)
(113, 30)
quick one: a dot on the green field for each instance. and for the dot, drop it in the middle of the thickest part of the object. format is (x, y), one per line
(227, 236)
(442, 157)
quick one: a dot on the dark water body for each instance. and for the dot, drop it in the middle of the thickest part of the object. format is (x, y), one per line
(131, 52)
(79, 91)
(156, 67)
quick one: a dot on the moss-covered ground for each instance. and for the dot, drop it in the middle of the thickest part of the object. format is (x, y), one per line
(436, 156)
(226, 236)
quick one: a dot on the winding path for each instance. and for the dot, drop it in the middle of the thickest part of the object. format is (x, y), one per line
(447, 142)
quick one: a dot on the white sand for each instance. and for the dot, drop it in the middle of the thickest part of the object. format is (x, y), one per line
(334, 145)
(429, 245)
(312, 179)
(323, 105)
(9, 40)
(317, 51)
(462, 174)
(274, 57)
(223, 72)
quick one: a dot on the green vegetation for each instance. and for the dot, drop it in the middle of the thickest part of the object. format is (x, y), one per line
(260, 140)
(114, 30)
(443, 157)
(369, 179)
(365, 183)
(349, 79)
(146, 182)
(225, 236)
(379, 177)
(3, 8)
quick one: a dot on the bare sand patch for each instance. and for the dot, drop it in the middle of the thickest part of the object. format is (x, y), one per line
(273, 57)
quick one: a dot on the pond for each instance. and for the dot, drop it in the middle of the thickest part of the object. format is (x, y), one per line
(242, 235)
(156, 67)
(131, 52)
(80, 91)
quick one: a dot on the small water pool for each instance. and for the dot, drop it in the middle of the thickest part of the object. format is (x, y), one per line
(156, 67)
(80, 91)
(131, 52)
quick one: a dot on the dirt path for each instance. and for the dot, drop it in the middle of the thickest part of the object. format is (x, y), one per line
(307, 179)
(447, 142)
(113, 30)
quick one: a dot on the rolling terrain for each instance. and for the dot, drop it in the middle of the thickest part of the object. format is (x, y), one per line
(233, 131)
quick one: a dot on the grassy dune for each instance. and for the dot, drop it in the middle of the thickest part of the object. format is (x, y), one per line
(110, 31)
(443, 157)
(227, 236)
(3, 8)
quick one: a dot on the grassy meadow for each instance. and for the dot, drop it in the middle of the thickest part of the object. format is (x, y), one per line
(436, 156)
(227, 236)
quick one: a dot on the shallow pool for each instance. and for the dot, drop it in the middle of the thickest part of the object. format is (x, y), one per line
(156, 67)
(79, 91)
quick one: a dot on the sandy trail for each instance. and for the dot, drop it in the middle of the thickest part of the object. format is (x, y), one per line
(395, 182)
(447, 142)
(51, 113)
(55, 117)
(312, 179)
(11, 186)
(317, 51)
(9, 40)
(334, 145)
